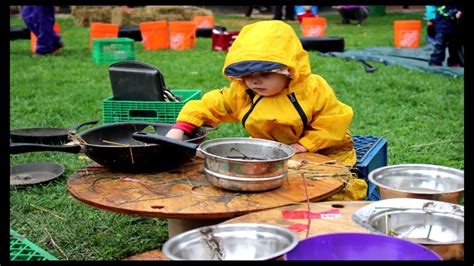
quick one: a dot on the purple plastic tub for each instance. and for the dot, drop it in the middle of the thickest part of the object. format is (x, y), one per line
(359, 246)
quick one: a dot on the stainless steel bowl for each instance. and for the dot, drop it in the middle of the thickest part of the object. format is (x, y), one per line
(239, 241)
(424, 181)
(245, 164)
(435, 224)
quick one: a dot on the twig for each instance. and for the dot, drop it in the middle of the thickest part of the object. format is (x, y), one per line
(131, 154)
(48, 211)
(431, 143)
(307, 204)
(429, 232)
(116, 143)
(55, 245)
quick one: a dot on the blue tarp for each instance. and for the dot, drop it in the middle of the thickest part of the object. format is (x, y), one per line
(413, 58)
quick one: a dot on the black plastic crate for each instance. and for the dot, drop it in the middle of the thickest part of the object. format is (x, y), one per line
(371, 154)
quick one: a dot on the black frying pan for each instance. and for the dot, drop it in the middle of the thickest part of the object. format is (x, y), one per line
(34, 173)
(45, 135)
(112, 145)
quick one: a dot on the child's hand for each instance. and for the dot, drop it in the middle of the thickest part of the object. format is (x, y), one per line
(298, 148)
(458, 14)
(175, 133)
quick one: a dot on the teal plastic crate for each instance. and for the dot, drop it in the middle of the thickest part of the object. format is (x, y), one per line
(111, 50)
(371, 154)
(147, 111)
(21, 249)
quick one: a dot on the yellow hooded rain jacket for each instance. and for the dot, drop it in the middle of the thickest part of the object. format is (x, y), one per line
(326, 129)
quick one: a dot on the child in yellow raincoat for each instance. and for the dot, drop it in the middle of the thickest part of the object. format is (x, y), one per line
(275, 96)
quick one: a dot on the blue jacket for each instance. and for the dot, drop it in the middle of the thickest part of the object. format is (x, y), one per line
(446, 20)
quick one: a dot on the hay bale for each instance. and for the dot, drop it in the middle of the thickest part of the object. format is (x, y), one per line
(14, 10)
(133, 18)
(178, 12)
(84, 15)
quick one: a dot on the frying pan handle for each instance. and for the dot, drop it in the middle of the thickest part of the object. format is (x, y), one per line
(16, 148)
(159, 139)
(92, 122)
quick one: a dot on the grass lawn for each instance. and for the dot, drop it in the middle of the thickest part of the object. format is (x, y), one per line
(420, 114)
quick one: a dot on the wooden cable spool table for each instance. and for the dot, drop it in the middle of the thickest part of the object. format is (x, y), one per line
(188, 200)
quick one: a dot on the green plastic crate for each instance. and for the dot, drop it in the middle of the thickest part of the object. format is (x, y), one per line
(147, 111)
(21, 249)
(111, 50)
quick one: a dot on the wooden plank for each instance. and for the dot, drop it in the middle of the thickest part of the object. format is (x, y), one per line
(338, 217)
(149, 255)
(185, 192)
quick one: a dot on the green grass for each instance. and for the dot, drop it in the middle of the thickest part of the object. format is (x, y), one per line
(420, 114)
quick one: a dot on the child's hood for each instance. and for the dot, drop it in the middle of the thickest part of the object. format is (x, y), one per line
(270, 41)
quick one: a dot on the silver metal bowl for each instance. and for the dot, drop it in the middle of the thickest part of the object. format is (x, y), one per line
(245, 164)
(424, 181)
(435, 224)
(239, 241)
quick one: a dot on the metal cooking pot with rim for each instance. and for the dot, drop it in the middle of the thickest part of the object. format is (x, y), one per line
(238, 164)
(423, 181)
(435, 224)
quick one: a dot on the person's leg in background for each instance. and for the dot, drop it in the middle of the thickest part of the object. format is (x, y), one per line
(456, 54)
(289, 12)
(439, 52)
(248, 13)
(40, 20)
(344, 15)
(361, 14)
(278, 15)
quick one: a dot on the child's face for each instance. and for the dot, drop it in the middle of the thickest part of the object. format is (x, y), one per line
(266, 83)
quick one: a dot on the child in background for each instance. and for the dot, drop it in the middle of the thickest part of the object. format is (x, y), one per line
(306, 14)
(449, 33)
(348, 13)
(299, 10)
(275, 96)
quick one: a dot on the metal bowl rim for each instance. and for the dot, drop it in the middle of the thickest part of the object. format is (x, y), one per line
(430, 166)
(293, 238)
(275, 144)
(363, 220)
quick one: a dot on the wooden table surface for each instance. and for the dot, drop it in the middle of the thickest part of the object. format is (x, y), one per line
(326, 217)
(185, 193)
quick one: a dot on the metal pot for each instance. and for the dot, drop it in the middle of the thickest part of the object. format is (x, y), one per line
(424, 181)
(437, 225)
(238, 241)
(246, 164)
(238, 164)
